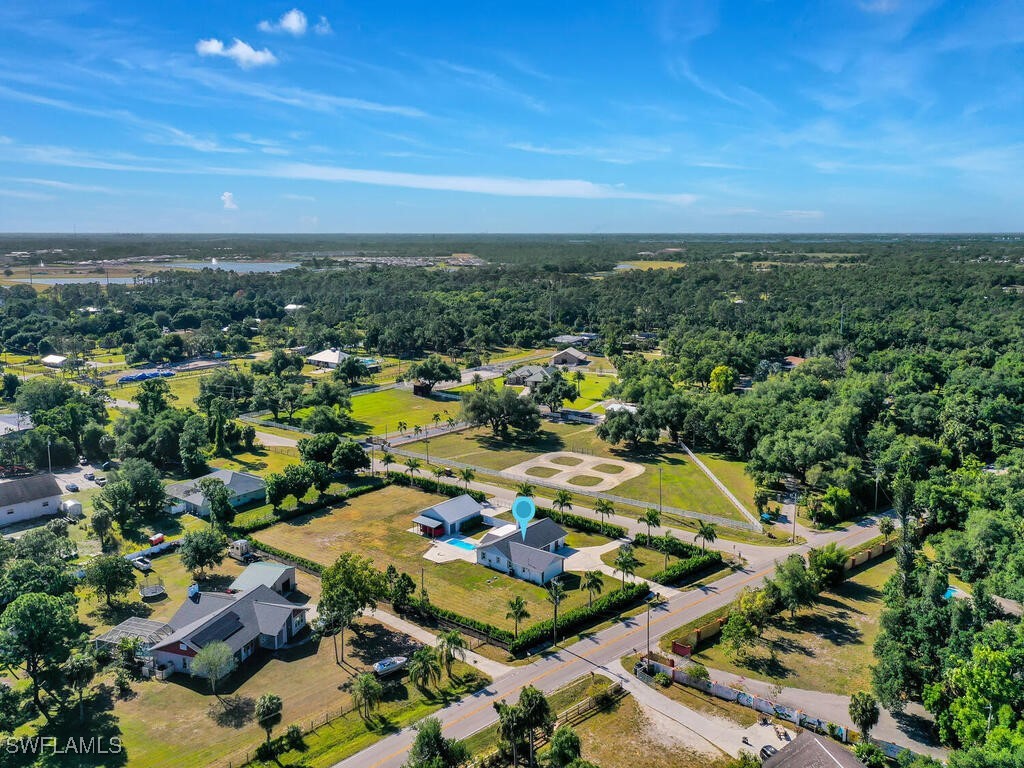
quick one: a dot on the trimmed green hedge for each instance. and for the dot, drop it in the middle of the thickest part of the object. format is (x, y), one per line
(429, 609)
(572, 621)
(434, 486)
(583, 524)
(680, 569)
(680, 549)
(244, 524)
(290, 557)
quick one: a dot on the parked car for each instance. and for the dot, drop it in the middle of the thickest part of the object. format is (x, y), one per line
(89, 475)
(107, 465)
(83, 461)
(72, 487)
(143, 564)
(101, 481)
(389, 665)
(767, 751)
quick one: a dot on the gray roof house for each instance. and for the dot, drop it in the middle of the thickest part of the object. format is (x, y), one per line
(247, 621)
(245, 489)
(534, 559)
(448, 517)
(809, 750)
(569, 357)
(276, 576)
(528, 375)
(27, 498)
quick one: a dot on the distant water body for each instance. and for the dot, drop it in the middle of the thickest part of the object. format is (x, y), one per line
(242, 267)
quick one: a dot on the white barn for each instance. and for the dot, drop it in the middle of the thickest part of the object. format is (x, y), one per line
(28, 498)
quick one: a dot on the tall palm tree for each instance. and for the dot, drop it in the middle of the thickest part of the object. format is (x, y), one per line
(517, 611)
(665, 544)
(366, 693)
(466, 475)
(387, 459)
(412, 466)
(603, 507)
(525, 489)
(436, 418)
(477, 380)
(268, 711)
(451, 646)
(425, 668)
(707, 533)
(593, 582)
(451, 422)
(402, 426)
(562, 500)
(626, 562)
(438, 473)
(578, 377)
(417, 431)
(651, 518)
(556, 593)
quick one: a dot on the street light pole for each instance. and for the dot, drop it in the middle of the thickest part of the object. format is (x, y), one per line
(660, 511)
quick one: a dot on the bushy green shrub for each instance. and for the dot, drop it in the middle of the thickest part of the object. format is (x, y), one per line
(680, 569)
(663, 680)
(582, 524)
(677, 548)
(434, 486)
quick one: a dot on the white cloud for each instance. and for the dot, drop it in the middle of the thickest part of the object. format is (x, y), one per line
(228, 198)
(293, 22)
(67, 186)
(22, 195)
(293, 196)
(483, 185)
(802, 215)
(243, 54)
(622, 152)
(323, 27)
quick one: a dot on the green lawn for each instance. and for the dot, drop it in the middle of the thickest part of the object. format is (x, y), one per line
(651, 562)
(259, 462)
(733, 476)
(185, 388)
(826, 648)
(377, 525)
(683, 485)
(591, 392)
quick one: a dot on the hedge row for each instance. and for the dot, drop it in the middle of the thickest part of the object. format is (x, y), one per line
(583, 524)
(578, 618)
(680, 569)
(434, 486)
(244, 525)
(290, 557)
(429, 609)
(677, 548)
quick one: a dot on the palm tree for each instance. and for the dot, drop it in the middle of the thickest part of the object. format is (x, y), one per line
(466, 475)
(438, 473)
(556, 593)
(626, 562)
(578, 377)
(412, 466)
(451, 422)
(476, 381)
(425, 668)
(652, 519)
(525, 489)
(603, 507)
(366, 693)
(593, 582)
(665, 544)
(562, 500)
(387, 459)
(451, 646)
(436, 418)
(402, 426)
(268, 711)
(417, 430)
(707, 533)
(517, 611)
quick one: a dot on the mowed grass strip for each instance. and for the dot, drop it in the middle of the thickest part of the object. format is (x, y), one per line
(683, 484)
(733, 475)
(827, 647)
(377, 525)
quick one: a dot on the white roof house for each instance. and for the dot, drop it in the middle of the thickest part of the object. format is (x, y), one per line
(53, 361)
(328, 358)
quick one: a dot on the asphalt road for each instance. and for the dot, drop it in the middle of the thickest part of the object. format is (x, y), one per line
(598, 652)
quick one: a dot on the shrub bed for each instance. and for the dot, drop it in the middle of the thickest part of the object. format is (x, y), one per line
(434, 486)
(572, 621)
(677, 548)
(429, 609)
(680, 569)
(583, 524)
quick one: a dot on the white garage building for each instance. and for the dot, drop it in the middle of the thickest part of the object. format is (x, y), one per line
(28, 498)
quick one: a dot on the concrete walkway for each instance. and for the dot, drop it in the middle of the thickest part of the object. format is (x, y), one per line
(495, 669)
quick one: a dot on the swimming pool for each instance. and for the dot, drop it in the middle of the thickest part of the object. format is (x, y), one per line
(952, 592)
(462, 544)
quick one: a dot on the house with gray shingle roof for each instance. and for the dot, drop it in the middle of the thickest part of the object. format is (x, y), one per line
(534, 558)
(246, 622)
(448, 517)
(185, 496)
(528, 375)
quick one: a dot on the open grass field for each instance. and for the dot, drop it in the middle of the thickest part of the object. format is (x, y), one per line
(591, 392)
(733, 476)
(259, 462)
(377, 525)
(825, 648)
(625, 737)
(185, 388)
(683, 485)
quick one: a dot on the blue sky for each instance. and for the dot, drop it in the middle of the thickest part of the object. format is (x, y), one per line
(753, 116)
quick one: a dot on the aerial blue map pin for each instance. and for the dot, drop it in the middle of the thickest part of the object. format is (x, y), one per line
(523, 510)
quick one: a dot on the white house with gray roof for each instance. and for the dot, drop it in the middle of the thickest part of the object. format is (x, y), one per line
(28, 498)
(448, 517)
(534, 559)
(185, 496)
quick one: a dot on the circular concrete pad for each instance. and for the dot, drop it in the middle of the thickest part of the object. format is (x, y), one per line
(578, 470)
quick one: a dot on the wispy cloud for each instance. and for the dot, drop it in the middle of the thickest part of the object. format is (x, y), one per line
(228, 199)
(301, 198)
(620, 153)
(484, 185)
(798, 215)
(66, 185)
(292, 22)
(485, 81)
(323, 26)
(243, 54)
(24, 194)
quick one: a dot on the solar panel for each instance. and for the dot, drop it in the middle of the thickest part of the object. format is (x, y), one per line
(221, 629)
